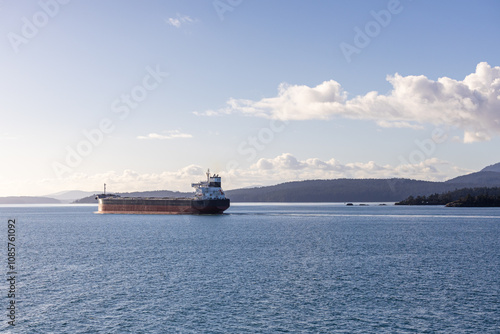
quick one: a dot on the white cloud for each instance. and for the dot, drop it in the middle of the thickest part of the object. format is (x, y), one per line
(179, 20)
(472, 104)
(168, 135)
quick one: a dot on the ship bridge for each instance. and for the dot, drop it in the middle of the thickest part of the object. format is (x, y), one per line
(209, 189)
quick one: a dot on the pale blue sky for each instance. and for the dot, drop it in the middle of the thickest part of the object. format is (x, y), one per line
(66, 67)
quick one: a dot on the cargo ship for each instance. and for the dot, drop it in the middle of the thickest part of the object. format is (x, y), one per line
(209, 198)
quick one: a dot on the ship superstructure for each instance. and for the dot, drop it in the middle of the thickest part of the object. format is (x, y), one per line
(210, 189)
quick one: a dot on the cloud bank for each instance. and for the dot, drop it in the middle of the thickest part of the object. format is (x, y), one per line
(287, 167)
(266, 171)
(126, 180)
(472, 104)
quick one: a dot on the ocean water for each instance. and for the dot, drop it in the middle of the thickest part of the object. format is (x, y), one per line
(259, 268)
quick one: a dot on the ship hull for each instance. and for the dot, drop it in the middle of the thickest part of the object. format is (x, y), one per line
(124, 205)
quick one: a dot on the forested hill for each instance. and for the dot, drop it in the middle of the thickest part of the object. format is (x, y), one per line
(363, 190)
(481, 196)
(340, 190)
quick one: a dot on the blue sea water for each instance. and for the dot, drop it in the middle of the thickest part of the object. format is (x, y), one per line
(259, 268)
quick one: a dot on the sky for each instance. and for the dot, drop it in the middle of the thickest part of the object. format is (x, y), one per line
(148, 95)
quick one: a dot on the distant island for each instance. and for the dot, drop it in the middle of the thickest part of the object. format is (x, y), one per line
(465, 197)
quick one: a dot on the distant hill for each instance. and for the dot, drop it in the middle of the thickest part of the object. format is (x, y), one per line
(71, 195)
(28, 200)
(478, 179)
(340, 190)
(363, 190)
(492, 168)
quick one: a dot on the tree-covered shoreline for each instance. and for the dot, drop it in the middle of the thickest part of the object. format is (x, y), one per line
(465, 197)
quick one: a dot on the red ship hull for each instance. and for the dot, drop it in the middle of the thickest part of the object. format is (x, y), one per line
(124, 205)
